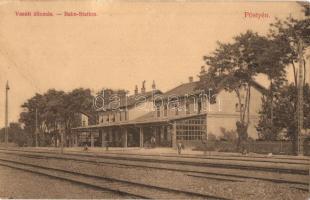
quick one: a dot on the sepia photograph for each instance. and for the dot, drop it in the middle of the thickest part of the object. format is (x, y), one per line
(155, 99)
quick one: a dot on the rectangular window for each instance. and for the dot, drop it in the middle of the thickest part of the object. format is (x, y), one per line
(192, 129)
(126, 115)
(187, 108)
(158, 111)
(176, 110)
(165, 110)
(199, 107)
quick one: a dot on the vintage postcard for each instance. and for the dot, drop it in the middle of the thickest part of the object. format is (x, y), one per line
(137, 99)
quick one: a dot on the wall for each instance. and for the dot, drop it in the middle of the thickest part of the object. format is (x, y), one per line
(226, 103)
(224, 113)
(140, 110)
(171, 111)
(216, 121)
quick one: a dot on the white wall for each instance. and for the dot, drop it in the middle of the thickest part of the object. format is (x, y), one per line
(224, 114)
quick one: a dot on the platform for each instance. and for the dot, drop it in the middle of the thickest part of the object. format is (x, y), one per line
(164, 151)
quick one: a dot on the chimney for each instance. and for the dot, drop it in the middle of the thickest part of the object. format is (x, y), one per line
(153, 85)
(136, 90)
(190, 79)
(143, 87)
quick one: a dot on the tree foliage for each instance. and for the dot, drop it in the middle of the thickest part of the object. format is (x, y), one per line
(55, 109)
(16, 135)
(288, 34)
(233, 67)
(285, 120)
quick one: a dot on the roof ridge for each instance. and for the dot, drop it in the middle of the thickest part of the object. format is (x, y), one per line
(180, 86)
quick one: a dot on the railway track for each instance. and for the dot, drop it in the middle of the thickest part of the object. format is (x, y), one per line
(162, 157)
(210, 173)
(119, 186)
(279, 167)
(243, 163)
(263, 159)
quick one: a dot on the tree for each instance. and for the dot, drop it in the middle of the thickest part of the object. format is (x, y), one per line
(28, 116)
(233, 67)
(273, 65)
(284, 110)
(56, 110)
(288, 33)
(77, 101)
(265, 127)
(17, 135)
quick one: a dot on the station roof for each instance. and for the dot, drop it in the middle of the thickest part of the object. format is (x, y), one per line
(133, 99)
(183, 89)
(192, 88)
(145, 119)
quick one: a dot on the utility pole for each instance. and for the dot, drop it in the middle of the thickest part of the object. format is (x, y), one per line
(6, 130)
(62, 142)
(300, 110)
(36, 131)
(61, 131)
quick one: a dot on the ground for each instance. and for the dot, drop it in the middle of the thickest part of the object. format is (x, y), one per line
(34, 186)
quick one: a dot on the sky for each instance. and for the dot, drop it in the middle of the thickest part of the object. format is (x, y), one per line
(126, 43)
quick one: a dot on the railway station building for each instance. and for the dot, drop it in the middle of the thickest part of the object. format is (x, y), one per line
(152, 118)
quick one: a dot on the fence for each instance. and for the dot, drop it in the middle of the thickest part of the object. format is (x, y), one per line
(275, 147)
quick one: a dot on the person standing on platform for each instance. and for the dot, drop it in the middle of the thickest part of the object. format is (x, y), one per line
(179, 147)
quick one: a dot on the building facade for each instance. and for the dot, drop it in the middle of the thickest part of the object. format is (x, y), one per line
(182, 114)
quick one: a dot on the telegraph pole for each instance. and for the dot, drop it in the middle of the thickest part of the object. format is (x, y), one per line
(300, 110)
(62, 142)
(6, 130)
(36, 131)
